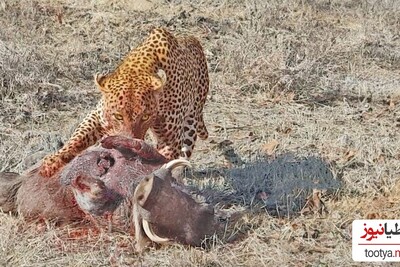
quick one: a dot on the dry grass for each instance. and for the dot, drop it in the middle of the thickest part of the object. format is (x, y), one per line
(321, 77)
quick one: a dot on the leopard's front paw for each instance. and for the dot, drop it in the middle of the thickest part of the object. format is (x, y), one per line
(50, 165)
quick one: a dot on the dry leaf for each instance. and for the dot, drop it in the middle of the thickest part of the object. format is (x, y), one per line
(59, 16)
(270, 147)
(295, 226)
(314, 203)
(392, 104)
(227, 164)
(225, 143)
(290, 96)
(250, 136)
(284, 130)
(366, 116)
(372, 216)
(349, 155)
(380, 159)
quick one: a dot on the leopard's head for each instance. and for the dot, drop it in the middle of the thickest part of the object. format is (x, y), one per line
(130, 103)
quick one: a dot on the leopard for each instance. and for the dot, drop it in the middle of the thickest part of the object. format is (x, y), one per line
(161, 86)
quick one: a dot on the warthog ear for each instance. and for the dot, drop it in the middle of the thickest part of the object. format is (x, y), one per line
(143, 189)
(100, 81)
(158, 81)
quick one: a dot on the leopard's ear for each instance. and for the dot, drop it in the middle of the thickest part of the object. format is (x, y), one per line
(99, 80)
(158, 81)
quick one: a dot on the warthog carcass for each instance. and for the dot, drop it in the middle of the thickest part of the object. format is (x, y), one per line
(125, 178)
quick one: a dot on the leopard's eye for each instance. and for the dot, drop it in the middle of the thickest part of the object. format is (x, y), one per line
(118, 116)
(145, 117)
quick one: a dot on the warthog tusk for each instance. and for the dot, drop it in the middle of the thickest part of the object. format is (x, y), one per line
(176, 163)
(153, 237)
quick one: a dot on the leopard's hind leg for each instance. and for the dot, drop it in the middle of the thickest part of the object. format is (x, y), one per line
(201, 128)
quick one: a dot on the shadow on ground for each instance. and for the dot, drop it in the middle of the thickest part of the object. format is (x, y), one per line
(280, 186)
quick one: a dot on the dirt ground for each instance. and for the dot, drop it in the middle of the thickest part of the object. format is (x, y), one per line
(309, 78)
